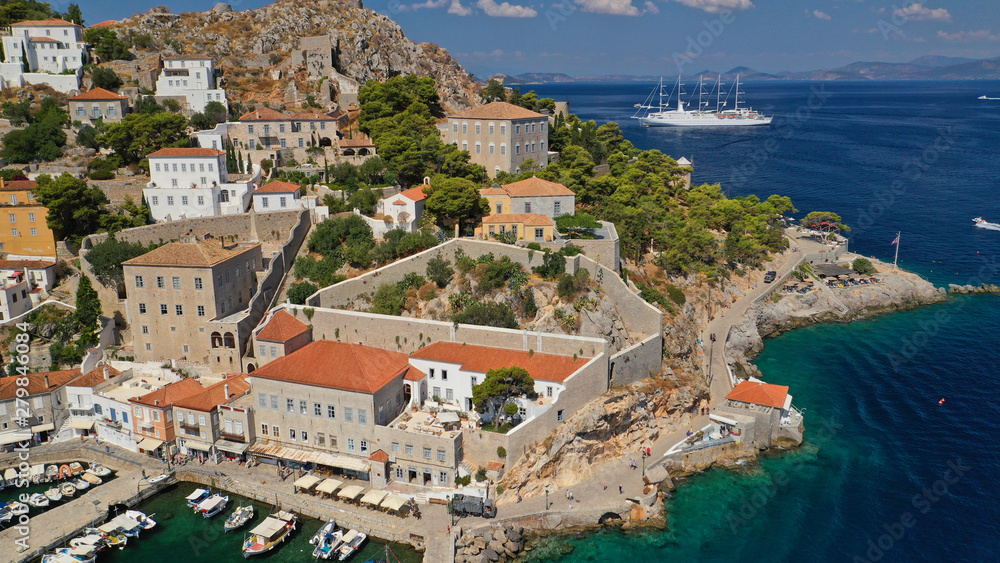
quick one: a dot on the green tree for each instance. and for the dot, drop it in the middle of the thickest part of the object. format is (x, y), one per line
(105, 43)
(18, 113)
(454, 200)
(106, 78)
(147, 104)
(439, 271)
(389, 299)
(88, 312)
(74, 14)
(299, 292)
(580, 225)
(553, 265)
(106, 259)
(501, 386)
(129, 215)
(493, 92)
(38, 141)
(137, 135)
(216, 111)
(824, 221)
(863, 266)
(332, 235)
(74, 207)
(87, 137)
(486, 314)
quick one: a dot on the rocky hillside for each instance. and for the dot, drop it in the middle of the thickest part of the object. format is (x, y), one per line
(253, 44)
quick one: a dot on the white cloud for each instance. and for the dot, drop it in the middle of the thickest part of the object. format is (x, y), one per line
(821, 15)
(505, 9)
(917, 12)
(651, 8)
(428, 4)
(968, 36)
(456, 8)
(613, 7)
(715, 6)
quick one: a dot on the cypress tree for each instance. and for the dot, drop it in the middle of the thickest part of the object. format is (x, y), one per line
(239, 162)
(249, 164)
(24, 59)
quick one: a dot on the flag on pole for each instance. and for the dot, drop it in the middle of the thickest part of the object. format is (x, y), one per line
(894, 241)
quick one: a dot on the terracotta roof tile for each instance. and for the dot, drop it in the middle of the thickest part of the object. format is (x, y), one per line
(399, 202)
(98, 94)
(414, 374)
(282, 327)
(534, 187)
(36, 382)
(265, 114)
(415, 193)
(18, 185)
(44, 39)
(759, 393)
(379, 456)
(49, 21)
(94, 377)
(494, 466)
(106, 23)
(528, 219)
(337, 365)
(188, 151)
(193, 254)
(498, 110)
(215, 394)
(277, 187)
(481, 359)
(29, 264)
(313, 116)
(169, 394)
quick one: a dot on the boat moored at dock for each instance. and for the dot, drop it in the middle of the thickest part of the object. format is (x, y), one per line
(275, 529)
(239, 518)
(197, 497)
(212, 505)
(351, 542)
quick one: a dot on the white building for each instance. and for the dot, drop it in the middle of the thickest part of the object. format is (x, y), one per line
(400, 211)
(87, 410)
(14, 297)
(49, 48)
(191, 77)
(194, 182)
(453, 369)
(40, 273)
(283, 196)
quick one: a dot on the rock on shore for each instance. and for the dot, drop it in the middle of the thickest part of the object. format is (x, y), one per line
(503, 543)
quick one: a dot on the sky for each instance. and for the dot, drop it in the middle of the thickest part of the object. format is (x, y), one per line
(657, 37)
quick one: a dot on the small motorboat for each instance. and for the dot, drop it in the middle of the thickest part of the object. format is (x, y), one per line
(76, 467)
(95, 540)
(17, 508)
(329, 545)
(53, 494)
(196, 498)
(100, 470)
(6, 514)
(212, 505)
(91, 478)
(38, 500)
(122, 524)
(67, 489)
(58, 558)
(116, 539)
(81, 484)
(65, 472)
(351, 542)
(146, 522)
(158, 478)
(82, 553)
(52, 472)
(11, 477)
(327, 528)
(37, 473)
(239, 517)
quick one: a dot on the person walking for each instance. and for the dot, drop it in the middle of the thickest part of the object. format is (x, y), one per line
(605, 485)
(619, 489)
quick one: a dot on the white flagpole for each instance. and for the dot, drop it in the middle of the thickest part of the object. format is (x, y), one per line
(896, 260)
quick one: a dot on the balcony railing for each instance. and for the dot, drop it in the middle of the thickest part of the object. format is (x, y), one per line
(189, 426)
(233, 437)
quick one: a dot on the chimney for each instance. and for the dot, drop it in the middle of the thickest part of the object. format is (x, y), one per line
(46, 382)
(156, 402)
(107, 374)
(227, 391)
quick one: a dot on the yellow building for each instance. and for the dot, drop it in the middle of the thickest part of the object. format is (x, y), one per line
(530, 227)
(24, 233)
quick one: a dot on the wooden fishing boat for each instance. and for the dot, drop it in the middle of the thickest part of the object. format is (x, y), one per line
(269, 533)
(197, 497)
(146, 522)
(82, 553)
(81, 484)
(212, 505)
(239, 518)
(91, 478)
(53, 494)
(76, 467)
(67, 489)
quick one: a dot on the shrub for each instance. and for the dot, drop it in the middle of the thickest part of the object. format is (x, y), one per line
(510, 409)
(570, 285)
(299, 292)
(501, 489)
(389, 299)
(497, 273)
(501, 452)
(486, 314)
(439, 271)
(553, 266)
(863, 266)
(675, 294)
(463, 481)
(534, 246)
(481, 474)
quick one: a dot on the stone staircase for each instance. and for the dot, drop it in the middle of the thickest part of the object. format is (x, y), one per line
(467, 468)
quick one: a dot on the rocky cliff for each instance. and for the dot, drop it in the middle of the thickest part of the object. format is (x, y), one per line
(261, 50)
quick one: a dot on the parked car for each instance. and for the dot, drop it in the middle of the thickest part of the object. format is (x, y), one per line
(769, 276)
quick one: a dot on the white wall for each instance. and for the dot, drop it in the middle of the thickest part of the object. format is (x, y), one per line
(185, 171)
(168, 204)
(214, 138)
(192, 78)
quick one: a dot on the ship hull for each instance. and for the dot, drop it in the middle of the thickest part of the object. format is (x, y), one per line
(712, 122)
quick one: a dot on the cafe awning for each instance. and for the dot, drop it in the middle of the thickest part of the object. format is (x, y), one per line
(198, 446)
(723, 419)
(149, 444)
(82, 424)
(43, 427)
(329, 486)
(231, 447)
(374, 498)
(351, 492)
(320, 458)
(447, 417)
(306, 482)
(394, 502)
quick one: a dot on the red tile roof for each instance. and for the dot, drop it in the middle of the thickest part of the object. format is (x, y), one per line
(265, 114)
(215, 394)
(481, 359)
(498, 110)
(379, 456)
(169, 394)
(94, 377)
(190, 254)
(313, 116)
(17, 185)
(534, 187)
(277, 187)
(98, 94)
(188, 151)
(106, 23)
(415, 193)
(527, 219)
(414, 374)
(29, 264)
(49, 21)
(282, 327)
(494, 466)
(337, 365)
(36, 382)
(759, 393)
(44, 39)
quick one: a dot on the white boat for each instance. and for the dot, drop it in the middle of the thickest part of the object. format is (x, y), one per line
(195, 498)
(96, 540)
(269, 533)
(329, 545)
(76, 467)
(53, 494)
(158, 478)
(239, 517)
(82, 553)
(37, 473)
(18, 508)
(100, 470)
(38, 500)
(58, 558)
(11, 476)
(661, 114)
(81, 484)
(67, 489)
(212, 505)
(352, 541)
(146, 522)
(91, 478)
(6, 514)
(117, 539)
(130, 527)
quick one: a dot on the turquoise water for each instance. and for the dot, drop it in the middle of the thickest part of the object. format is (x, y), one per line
(181, 535)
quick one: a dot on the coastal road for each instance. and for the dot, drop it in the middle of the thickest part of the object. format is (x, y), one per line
(714, 360)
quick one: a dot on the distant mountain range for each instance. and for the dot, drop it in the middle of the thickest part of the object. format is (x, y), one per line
(931, 67)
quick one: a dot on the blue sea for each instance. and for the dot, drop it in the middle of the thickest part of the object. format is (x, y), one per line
(888, 472)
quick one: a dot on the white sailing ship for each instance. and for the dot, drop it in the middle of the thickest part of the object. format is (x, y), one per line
(660, 114)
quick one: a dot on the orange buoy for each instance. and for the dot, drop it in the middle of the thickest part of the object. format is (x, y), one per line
(941, 402)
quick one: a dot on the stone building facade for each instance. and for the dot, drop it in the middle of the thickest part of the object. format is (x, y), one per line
(499, 136)
(96, 104)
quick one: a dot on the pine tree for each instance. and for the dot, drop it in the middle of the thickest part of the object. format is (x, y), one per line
(88, 312)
